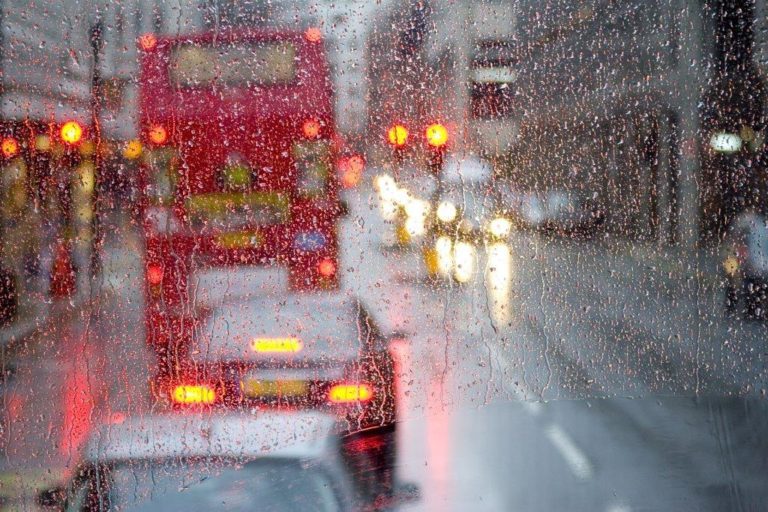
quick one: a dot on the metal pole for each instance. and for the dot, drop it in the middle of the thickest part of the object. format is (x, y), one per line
(690, 76)
(97, 43)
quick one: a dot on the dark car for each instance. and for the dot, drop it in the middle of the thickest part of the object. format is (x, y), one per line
(308, 351)
(745, 264)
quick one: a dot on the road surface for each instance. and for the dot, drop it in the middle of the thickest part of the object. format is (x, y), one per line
(564, 384)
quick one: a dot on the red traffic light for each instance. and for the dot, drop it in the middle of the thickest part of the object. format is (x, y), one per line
(10, 147)
(437, 135)
(71, 132)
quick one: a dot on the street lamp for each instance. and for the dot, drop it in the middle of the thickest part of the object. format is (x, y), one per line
(726, 143)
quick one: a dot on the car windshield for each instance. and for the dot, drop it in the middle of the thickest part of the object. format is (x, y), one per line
(513, 252)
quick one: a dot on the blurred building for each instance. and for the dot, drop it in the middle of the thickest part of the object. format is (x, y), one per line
(44, 82)
(622, 101)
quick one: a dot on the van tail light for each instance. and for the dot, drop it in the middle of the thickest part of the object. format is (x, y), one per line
(346, 393)
(192, 394)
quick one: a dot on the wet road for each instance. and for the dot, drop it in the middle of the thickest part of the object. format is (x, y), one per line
(474, 434)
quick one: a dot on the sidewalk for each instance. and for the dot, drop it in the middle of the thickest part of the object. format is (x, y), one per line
(649, 309)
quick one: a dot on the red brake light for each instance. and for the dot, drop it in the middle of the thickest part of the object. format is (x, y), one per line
(326, 267)
(349, 393)
(311, 128)
(437, 135)
(9, 147)
(154, 274)
(193, 394)
(157, 134)
(147, 41)
(397, 135)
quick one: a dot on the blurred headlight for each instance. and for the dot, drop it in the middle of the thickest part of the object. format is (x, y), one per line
(403, 197)
(500, 227)
(446, 211)
(417, 208)
(385, 186)
(463, 261)
(444, 251)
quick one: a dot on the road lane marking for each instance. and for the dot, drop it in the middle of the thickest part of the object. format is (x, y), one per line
(618, 507)
(574, 457)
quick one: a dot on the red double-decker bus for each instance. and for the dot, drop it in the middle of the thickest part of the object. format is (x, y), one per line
(239, 155)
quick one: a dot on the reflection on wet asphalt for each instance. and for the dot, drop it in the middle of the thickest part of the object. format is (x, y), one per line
(540, 321)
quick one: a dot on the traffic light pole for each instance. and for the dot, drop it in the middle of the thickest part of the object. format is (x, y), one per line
(97, 43)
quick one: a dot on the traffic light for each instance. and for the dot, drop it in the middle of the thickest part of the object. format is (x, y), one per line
(397, 137)
(437, 139)
(9, 147)
(71, 133)
(437, 135)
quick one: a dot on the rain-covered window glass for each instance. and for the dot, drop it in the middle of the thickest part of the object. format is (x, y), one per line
(384, 255)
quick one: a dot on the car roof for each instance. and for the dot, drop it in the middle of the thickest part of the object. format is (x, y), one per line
(299, 434)
(326, 323)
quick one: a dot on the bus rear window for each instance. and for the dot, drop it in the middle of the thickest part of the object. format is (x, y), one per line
(243, 64)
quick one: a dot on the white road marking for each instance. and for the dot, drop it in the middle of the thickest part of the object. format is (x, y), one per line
(576, 460)
(618, 507)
